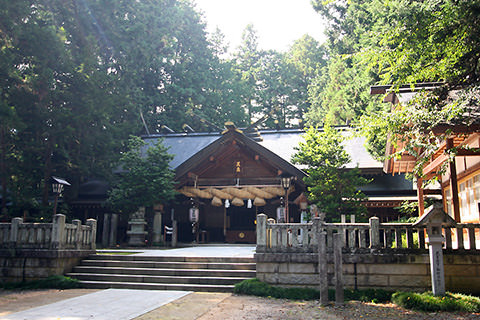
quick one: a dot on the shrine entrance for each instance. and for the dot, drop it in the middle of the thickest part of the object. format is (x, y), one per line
(240, 225)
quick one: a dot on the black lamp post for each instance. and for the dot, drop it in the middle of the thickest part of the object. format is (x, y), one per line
(57, 188)
(286, 182)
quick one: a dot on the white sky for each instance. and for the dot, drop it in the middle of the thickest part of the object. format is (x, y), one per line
(278, 22)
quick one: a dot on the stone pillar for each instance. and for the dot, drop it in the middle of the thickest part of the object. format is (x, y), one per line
(14, 231)
(112, 242)
(374, 232)
(92, 223)
(106, 229)
(261, 232)
(157, 227)
(58, 231)
(322, 267)
(78, 234)
(435, 244)
(338, 265)
(174, 233)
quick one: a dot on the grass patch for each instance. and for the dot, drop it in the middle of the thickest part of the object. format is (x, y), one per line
(428, 302)
(257, 288)
(52, 282)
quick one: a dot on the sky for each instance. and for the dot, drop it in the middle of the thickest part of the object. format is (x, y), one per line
(278, 22)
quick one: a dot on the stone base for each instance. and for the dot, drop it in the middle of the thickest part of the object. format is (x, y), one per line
(136, 239)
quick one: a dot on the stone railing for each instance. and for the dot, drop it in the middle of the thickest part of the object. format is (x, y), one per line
(358, 237)
(57, 235)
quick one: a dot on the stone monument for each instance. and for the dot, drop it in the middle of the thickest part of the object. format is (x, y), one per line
(137, 233)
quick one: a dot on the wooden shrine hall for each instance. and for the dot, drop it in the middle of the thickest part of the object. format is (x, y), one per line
(225, 179)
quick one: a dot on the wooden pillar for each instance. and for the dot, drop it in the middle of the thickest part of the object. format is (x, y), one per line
(453, 183)
(420, 197)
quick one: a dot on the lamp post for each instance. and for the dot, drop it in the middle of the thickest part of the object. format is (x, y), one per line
(57, 188)
(286, 182)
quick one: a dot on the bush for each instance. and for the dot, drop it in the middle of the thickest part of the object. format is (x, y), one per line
(257, 288)
(428, 302)
(52, 282)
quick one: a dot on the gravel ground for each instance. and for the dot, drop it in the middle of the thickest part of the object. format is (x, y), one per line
(247, 307)
(221, 306)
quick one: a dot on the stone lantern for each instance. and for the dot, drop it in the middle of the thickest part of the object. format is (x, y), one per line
(434, 220)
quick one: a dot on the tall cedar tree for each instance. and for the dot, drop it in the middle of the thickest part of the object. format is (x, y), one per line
(145, 178)
(331, 186)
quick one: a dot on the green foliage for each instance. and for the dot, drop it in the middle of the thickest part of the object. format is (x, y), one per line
(145, 179)
(331, 186)
(396, 42)
(257, 288)
(52, 282)
(427, 302)
(413, 124)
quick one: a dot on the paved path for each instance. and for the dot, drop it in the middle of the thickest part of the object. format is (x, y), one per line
(119, 304)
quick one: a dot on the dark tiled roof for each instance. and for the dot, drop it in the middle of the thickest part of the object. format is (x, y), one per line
(281, 142)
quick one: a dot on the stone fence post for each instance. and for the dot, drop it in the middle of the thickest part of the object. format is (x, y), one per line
(93, 238)
(14, 231)
(374, 232)
(78, 233)
(322, 267)
(261, 232)
(174, 234)
(58, 231)
(338, 266)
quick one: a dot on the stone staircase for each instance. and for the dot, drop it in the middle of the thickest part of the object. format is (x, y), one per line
(213, 274)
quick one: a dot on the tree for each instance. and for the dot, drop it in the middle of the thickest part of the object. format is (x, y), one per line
(145, 178)
(331, 186)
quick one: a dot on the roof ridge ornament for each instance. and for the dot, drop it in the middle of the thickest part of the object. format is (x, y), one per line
(230, 126)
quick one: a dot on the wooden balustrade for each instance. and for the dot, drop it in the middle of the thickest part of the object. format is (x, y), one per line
(361, 236)
(56, 235)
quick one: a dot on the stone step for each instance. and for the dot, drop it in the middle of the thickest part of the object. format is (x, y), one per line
(119, 257)
(166, 272)
(206, 280)
(156, 286)
(169, 265)
(214, 274)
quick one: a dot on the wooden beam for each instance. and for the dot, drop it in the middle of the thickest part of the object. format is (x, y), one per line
(466, 152)
(434, 164)
(442, 128)
(420, 198)
(454, 184)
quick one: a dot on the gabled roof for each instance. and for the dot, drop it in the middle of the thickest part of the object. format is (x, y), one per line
(239, 138)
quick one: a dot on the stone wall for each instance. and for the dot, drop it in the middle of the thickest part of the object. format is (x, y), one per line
(33, 264)
(389, 271)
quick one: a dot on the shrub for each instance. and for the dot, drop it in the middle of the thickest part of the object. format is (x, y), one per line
(257, 288)
(428, 302)
(52, 282)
